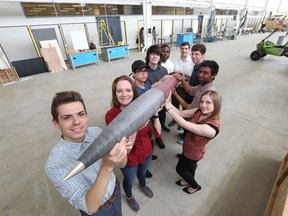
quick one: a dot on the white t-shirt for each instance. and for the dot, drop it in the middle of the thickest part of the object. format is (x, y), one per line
(185, 67)
(169, 65)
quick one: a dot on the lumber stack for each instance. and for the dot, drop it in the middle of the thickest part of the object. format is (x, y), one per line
(278, 201)
(8, 75)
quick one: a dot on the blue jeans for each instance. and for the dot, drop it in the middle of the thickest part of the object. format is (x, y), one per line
(129, 173)
(114, 209)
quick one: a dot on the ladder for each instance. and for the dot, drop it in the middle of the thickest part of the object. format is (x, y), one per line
(102, 27)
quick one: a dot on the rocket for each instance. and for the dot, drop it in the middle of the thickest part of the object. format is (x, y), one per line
(133, 117)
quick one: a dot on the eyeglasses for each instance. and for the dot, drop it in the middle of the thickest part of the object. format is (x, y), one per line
(154, 54)
(143, 71)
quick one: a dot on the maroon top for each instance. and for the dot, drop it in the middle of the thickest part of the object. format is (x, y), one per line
(142, 146)
(194, 145)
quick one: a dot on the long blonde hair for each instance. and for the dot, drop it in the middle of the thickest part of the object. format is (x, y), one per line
(217, 102)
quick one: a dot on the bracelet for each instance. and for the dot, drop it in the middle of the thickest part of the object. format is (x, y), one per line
(155, 116)
(169, 109)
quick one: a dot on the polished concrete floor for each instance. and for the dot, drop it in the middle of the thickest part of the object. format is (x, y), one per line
(236, 175)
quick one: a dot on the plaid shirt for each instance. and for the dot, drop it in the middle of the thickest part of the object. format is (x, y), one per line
(61, 160)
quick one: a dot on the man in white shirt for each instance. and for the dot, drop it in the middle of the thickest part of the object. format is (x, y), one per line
(182, 65)
(166, 62)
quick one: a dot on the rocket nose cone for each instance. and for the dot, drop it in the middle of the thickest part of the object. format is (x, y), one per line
(78, 167)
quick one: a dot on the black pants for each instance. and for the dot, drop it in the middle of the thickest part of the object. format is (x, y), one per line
(186, 169)
(183, 94)
(162, 116)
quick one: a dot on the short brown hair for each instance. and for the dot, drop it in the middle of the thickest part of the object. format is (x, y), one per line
(199, 47)
(64, 97)
(114, 101)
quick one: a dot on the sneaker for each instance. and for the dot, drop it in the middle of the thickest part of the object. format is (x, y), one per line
(165, 129)
(154, 157)
(133, 204)
(171, 123)
(181, 135)
(147, 191)
(160, 143)
(180, 141)
(148, 174)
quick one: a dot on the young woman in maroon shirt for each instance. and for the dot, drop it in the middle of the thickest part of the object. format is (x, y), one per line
(202, 126)
(139, 158)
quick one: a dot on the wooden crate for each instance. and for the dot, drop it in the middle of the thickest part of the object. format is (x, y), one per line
(8, 75)
(278, 201)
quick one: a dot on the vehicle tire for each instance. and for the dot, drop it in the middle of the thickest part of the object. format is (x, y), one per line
(263, 55)
(255, 55)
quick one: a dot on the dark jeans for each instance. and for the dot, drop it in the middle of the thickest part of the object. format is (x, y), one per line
(186, 169)
(114, 209)
(162, 116)
(129, 173)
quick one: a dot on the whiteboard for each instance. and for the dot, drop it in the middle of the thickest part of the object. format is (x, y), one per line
(79, 40)
(167, 27)
(4, 63)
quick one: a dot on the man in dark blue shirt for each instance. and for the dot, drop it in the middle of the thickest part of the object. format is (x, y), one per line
(155, 73)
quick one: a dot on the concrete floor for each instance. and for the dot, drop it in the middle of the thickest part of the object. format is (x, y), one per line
(237, 173)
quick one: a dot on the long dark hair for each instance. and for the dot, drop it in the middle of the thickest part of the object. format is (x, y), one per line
(156, 50)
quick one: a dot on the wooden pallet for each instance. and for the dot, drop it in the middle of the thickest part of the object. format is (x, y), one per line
(278, 201)
(8, 75)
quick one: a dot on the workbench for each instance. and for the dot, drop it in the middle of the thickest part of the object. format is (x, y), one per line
(114, 52)
(78, 58)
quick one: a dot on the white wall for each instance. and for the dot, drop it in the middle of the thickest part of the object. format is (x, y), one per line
(18, 45)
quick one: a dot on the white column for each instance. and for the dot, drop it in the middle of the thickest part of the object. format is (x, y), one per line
(147, 17)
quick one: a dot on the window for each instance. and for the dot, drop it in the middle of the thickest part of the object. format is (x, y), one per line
(76, 9)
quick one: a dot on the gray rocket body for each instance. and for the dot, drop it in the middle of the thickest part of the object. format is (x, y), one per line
(125, 124)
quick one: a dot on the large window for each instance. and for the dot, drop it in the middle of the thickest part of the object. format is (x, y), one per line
(76, 9)
(226, 12)
(164, 10)
(51, 9)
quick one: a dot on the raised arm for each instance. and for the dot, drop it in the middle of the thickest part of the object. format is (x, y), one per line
(157, 123)
(183, 81)
(117, 156)
(183, 113)
(199, 129)
(183, 103)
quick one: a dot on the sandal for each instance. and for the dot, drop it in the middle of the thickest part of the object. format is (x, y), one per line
(179, 183)
(186, 190)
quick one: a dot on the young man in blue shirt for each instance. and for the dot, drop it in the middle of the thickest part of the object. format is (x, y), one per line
(95, 190)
